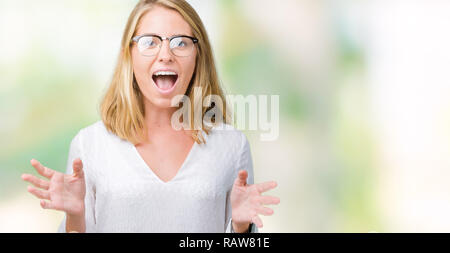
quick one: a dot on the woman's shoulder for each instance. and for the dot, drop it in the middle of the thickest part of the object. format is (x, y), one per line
(96, 128)
(95, 141)
(96, 132)
(226, 129)
(227, 133)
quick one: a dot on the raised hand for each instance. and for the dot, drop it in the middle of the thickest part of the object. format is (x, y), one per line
(63, 192)
(247, 201)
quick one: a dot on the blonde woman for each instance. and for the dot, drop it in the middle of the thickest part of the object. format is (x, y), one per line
(133, 171)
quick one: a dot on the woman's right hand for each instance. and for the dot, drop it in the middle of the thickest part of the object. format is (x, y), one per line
(63, 192)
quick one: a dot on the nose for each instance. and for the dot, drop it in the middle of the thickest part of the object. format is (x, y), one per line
(165, 54)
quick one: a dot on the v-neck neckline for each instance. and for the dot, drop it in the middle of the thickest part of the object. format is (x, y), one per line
(148, 169)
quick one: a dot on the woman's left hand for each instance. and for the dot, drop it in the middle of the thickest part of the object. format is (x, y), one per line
(247, 202)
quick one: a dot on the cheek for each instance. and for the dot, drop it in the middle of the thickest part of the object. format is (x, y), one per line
(137, 65)
(140, 68)
(189, 69)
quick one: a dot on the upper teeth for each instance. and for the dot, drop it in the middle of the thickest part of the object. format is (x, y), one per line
(165, 73)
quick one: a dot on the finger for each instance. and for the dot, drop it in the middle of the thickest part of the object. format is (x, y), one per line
(39, 193)
(257, 221)
(241, 179)
(46, 205)
(269, 200)
(77, 168)
(44, 171)
(263, 187)
(264, 210)
(36, 181)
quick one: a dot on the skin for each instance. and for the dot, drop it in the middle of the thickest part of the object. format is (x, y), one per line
(67, 192)
(158, 111)
(61, 192)
(163, 22)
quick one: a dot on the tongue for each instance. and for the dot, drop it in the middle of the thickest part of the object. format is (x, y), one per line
(165, 82)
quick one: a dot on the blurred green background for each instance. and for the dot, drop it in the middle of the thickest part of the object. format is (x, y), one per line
(364, 103)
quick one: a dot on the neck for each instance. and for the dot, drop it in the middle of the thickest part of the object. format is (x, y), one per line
(158, 118)
(158, 122)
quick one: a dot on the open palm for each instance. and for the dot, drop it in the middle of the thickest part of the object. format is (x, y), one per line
(247, 201)
(63, 192)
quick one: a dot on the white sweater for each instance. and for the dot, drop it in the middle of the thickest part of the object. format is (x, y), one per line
(124, 195)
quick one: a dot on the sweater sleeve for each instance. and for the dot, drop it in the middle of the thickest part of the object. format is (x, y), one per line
(76, 151)
(244, 162)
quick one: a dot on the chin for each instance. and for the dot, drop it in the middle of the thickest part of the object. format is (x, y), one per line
(162, 103)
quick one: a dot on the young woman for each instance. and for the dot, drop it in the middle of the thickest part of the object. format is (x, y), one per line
(133, 171)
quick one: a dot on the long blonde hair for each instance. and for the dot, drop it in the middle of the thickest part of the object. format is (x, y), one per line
(122, 107)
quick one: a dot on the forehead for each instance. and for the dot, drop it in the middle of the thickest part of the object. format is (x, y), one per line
(163, 21)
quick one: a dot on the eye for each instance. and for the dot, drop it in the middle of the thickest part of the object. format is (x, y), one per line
(148, 42)
(179, 43)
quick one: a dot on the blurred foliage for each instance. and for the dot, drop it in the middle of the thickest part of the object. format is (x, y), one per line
(252, 65)
(55, 104)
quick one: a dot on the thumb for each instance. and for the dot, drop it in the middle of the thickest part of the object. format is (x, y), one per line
(241, 179)
(77, 168)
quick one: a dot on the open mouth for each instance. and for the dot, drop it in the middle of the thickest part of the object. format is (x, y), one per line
(165, 80)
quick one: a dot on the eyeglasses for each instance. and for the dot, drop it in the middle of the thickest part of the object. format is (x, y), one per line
(180, 45)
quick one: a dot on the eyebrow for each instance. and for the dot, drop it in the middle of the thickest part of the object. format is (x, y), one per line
(181, 35)
(175, 35)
